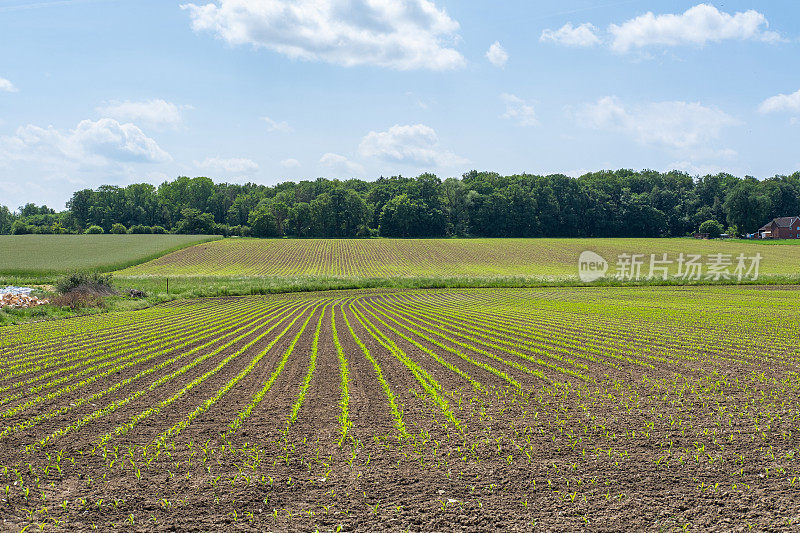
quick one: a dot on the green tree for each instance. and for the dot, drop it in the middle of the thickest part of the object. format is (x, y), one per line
(400, 217)
(262, 222)
(746, 206)
(713, 228)
(18, 227)
(80, 206)
(300, 220)
(6, 220)
(455, 205)
(195, 222)
(339, 213)
(241, 208)
(280, 211)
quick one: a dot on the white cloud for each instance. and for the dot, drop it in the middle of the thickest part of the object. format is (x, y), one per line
(519, 110)
(157, 113)
(680, 126)
(781, 102)
(497, 55)
(7, 86)
(93, 143)
(233, 165)
(290, 163)
(340, 164)
(583, 36)
(416, 144)
(698, 25)
(700, 170)
(48, 164)
(273, 125)
(399, 34)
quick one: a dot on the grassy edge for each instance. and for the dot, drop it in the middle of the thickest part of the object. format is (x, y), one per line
(187, 287)
(209, 286)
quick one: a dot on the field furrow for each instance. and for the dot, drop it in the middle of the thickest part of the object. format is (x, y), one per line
(467, 409)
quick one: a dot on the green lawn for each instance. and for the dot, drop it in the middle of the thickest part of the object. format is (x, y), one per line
(43, 255)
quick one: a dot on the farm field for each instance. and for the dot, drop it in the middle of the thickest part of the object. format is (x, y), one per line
(36, 255)
(405, 258)
(552, 409)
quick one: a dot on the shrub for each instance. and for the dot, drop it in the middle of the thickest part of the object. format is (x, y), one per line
(158, 230)
(42, 230)
(118, 229)
(712, 227)
(239, 231)
(21, 228)
(222, 229)
(139, 229)
(57, 229)
(95, 283)
(78, 300)
(94, 230)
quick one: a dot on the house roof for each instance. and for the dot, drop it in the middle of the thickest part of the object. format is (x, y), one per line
(781, 222)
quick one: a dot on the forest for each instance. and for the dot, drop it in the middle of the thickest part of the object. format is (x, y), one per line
(621, 203)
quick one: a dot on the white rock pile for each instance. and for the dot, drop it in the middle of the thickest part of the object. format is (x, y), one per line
(19, 298)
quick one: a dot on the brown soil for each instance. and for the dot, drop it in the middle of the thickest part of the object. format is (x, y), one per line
(662, 448)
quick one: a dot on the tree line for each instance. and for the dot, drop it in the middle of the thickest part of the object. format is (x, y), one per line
(621, 203)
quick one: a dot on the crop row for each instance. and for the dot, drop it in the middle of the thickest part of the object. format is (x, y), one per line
(559, 395)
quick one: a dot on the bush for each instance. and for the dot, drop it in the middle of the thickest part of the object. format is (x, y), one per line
(94, 230)
(239, 231)
(118, 229)
(158, 230)
(21, 228)
(57, 229)
(712, 227)
(42, 230)
(95, 283)
(139, 229)
(78, 300)
(365, 232)
(222, 229)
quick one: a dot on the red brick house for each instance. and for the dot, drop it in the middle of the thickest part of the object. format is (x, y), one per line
(781, 228)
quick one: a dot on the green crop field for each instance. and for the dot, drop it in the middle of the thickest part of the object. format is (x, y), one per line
(388, 258)
(580, 408)
(31, 255)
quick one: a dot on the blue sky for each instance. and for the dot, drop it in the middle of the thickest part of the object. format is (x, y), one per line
(118, 91)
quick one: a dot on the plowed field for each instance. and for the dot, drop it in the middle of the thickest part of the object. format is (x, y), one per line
(384, 258)
(520, 409)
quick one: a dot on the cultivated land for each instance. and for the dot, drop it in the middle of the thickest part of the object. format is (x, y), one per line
(636, 408)
(429, 258)
(42, 255)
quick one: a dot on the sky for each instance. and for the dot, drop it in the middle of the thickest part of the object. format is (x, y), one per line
(115, 92)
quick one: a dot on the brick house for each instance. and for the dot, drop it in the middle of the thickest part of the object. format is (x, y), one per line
(781, 228)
